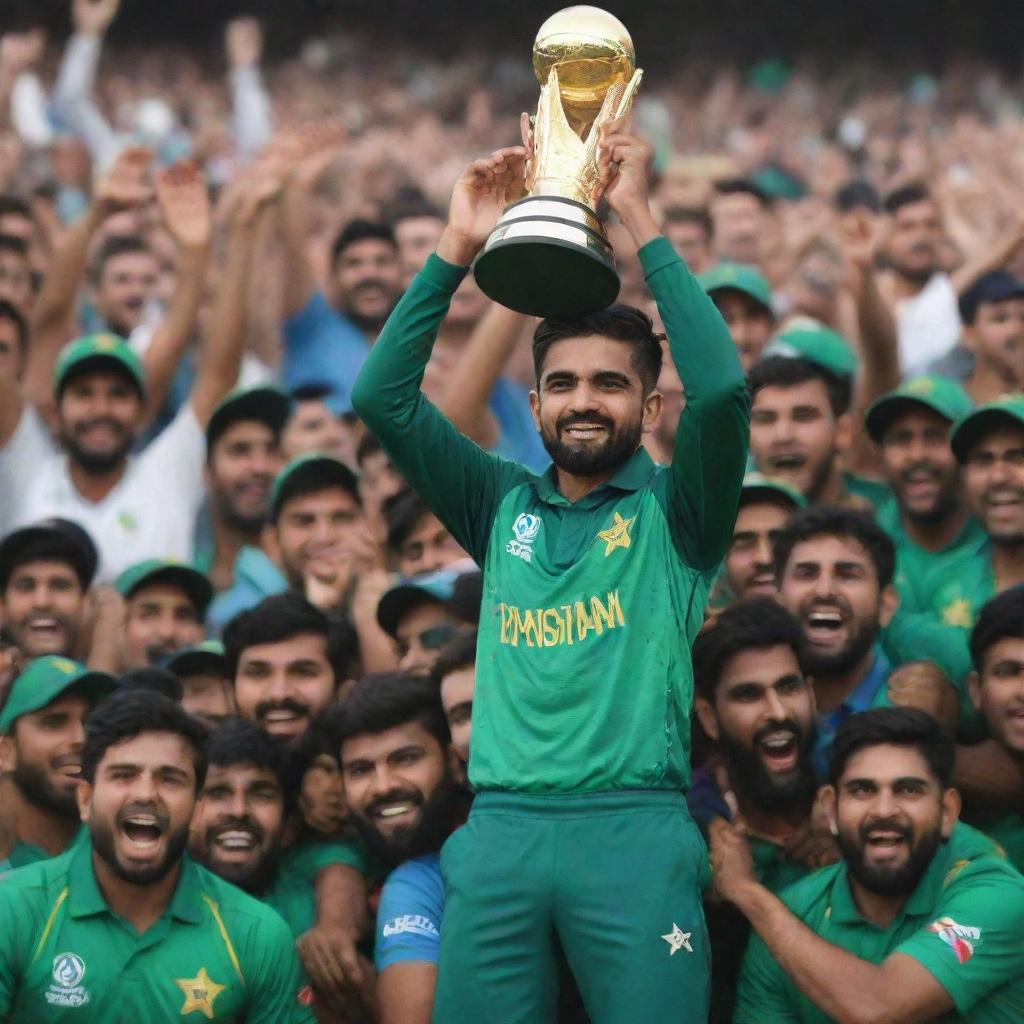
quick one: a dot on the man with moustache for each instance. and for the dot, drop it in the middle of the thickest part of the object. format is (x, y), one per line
(165, 605)
(126, 924)
(42, 729)
(927, 517)
(919, 920)
(46, 570)
(286, 662)
(989, 447)
(758, 709)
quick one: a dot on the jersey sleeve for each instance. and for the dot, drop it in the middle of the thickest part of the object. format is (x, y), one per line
(460, 482)
(710, 453)
(409, 916)
(972, 944)
(272, 976)
(765, 994)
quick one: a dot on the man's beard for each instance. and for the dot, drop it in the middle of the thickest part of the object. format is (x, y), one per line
(586, 460)
(405, 843)
(253, 877)
(103, 843)
(97, 463)
(946, 504)
(365, 321)
(898, 881)
(820, 477)
(233, 519)
(40, 792)
(815, 663)
(766, 790)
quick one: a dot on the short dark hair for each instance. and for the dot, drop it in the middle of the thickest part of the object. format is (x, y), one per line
(402, 513)
(14, 204)
(753, 623)
(153, 680)
(8, 311)
(789, 371)
(128, 714)
(414, 204)
(620, 323)
(368, 445)
(279, 618)
(357, 231)
(690, 215)
(742, 186)
(858, 195)
(12, 243)
(458, 653)
(831, 521)
(112, 247)
(999, 619)
(897, 727)
(905, 196)
(312, 391)
(237, 741)
(386, 700)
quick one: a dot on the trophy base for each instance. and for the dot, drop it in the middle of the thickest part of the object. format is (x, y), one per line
(548, 257)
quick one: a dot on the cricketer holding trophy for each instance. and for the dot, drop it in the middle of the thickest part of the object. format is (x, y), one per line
(595, 578)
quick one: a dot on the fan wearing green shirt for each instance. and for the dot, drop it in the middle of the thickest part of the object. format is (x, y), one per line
(919, 921)
(125, 926)
(596, 575)
(927, 516)
(989, 445)
(42, 728)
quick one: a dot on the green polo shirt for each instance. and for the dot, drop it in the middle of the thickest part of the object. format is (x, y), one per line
(919, 571)
(583, 674)
(1007, 830)
(962, 924)
(24, 854)
(957, 596)
(216, 954)
(874, 492)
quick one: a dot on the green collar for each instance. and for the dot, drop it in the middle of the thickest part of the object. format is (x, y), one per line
(86, 900)
(923, 900)
(633, 474)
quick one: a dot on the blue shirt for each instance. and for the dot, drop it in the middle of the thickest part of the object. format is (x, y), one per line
(256, 577)
(409, 914)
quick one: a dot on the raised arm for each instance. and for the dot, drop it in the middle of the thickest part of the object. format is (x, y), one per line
(710, 454)
(18, 52)
(456, 478)
(243, 41)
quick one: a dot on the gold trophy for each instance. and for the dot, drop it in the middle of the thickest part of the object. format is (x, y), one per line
(548, 254)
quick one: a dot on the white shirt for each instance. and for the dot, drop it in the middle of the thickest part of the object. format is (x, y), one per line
(928, 325)
(150, 513)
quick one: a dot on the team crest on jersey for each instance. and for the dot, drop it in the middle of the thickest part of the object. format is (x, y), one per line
(199, 992)
(524, 533)
(66, 988)
(961, 938)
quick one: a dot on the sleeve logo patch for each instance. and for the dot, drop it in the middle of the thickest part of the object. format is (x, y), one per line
(411, 924)
(961, 938)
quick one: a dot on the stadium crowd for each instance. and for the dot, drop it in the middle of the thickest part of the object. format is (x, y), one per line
(240, 593)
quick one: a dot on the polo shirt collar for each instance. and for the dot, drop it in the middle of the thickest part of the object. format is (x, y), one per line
(633, 474)
(86, 900)
(863, 697)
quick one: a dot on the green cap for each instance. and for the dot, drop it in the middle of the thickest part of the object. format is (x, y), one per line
(1007, 410)
(97, 350)
(940, 394)
(43, 680)
(205, 657)
(263, 404)
(323, 469)
(166, 570)
(757, 486)
(808, 339)
(741, 278)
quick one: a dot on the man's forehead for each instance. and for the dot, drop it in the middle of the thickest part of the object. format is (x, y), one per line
(780, 396)
(374, 746)
(241, 773)
(999, 439)
(589, 354)
(160, 592)
(1007, 648)
(151, 750)
(328, 500)
(918, 416)
(44, 567)
(762, 513)
(829, 548)
(301, 646)
(760, 665)
(884, 763)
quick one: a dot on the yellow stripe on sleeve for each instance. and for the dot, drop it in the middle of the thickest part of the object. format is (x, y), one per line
(224, 935)
(50, 922)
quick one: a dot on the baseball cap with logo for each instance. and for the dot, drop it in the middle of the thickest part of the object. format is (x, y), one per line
(808, 339)
(263, 404)
(205, 657)
(940, 394)
(1007, 410)
(994, 286)
(44, 679)
(162, 570)
(96, 351)
(741, 278)
(759, 487)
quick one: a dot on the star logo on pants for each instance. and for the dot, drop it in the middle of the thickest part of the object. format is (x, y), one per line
(677, 939)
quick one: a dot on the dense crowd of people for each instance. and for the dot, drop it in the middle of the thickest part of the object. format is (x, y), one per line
(370, 652)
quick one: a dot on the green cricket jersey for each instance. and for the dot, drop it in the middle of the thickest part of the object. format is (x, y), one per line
(961, 923)
(957, 596)
(1006, 830)
(24, 854)
(583, 679)
(216, 954)
(920, 572)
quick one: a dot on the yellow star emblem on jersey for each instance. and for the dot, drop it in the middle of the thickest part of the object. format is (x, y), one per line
(958, 613)
(617, 535)
(200, 992)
